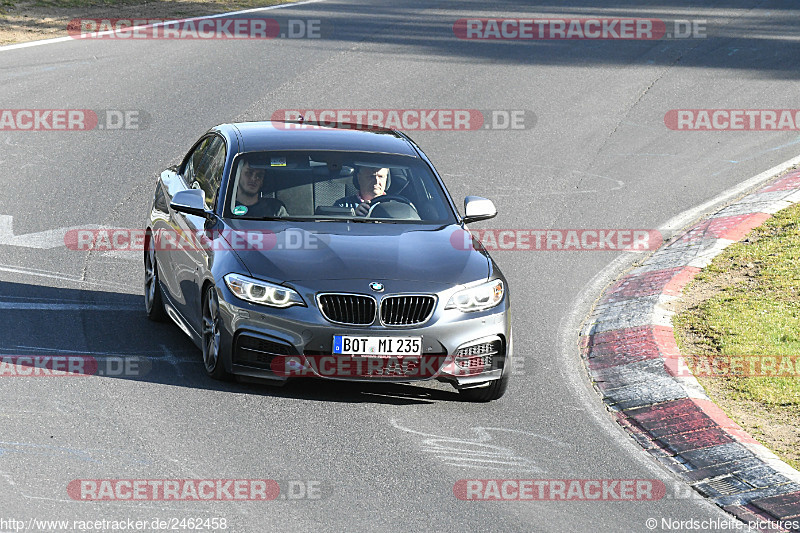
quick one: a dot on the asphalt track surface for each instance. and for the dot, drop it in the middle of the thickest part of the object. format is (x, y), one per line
(386, 457)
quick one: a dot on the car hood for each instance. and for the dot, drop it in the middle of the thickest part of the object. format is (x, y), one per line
(304, 252)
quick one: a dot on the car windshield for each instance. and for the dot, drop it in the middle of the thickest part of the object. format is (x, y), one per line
(331, 185)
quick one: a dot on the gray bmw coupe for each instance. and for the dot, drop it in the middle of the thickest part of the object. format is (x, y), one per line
(289, 250)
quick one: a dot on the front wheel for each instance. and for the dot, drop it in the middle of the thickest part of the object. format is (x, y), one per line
(211, 336)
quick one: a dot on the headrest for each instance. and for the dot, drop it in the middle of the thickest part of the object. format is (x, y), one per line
(332, 171)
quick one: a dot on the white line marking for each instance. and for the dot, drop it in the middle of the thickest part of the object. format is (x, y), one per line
(8, 478)
(207, 17)
(35, 306)
(477, 453)
(140, 353)
(54, 238)
(61, 276)
(44, 240)
(124, 255)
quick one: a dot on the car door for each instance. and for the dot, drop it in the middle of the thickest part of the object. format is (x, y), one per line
(203, 171)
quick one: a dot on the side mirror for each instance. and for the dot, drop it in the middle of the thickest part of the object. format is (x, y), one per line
(477, 208)
(191, 202)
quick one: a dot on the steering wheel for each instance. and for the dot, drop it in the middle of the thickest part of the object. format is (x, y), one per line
(389, 198)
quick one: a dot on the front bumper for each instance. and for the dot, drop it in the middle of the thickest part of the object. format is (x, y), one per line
(282, 344)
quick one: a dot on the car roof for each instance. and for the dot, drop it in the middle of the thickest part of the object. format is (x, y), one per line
(285, 135)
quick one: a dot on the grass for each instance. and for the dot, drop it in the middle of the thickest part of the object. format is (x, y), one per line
(759, 315)
(753, 309)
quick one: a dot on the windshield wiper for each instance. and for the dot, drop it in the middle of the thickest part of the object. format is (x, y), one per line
(380, 220)
(361, 220)
(290, 219)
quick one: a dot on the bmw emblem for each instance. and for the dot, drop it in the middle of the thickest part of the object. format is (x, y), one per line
(375, 286)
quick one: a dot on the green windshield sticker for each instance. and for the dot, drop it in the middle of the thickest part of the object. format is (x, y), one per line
(240, 210)
(277, 162)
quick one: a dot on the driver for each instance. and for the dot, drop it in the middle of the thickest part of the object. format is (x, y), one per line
(372, 182)
(249, 191)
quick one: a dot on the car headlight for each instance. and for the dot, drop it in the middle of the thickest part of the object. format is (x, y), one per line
(484, 296)
(262, 292)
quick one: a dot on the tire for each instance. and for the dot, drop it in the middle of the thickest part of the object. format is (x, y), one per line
(153, 299)
(491, 392)
(211, 336)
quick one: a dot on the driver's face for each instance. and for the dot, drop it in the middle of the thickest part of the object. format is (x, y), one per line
(372, 181)
(252, 179)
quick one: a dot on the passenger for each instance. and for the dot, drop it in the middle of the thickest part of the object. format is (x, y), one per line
(248, 194)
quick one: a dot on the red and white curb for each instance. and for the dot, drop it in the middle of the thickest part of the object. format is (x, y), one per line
(629, 349)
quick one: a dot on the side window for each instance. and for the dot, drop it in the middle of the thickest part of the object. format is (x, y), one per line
(212, 178)
(204, 167)
(194, 160)
(160, 200)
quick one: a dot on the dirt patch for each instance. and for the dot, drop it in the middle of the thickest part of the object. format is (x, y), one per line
(32, 20)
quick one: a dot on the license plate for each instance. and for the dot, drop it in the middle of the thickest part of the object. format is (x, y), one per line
(352, 345)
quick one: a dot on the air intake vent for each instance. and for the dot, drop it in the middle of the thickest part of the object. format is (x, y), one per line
(255, 351)
(478, 355)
